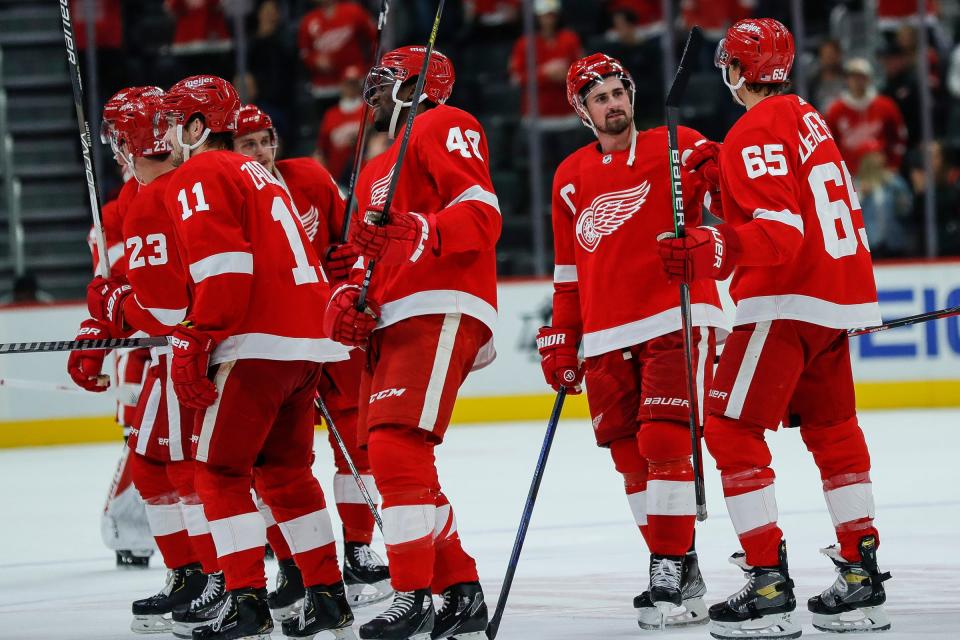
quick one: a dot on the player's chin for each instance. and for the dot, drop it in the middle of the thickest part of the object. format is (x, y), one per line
(615, 124)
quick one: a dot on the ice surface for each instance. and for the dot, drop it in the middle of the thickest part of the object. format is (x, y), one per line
(583, 561)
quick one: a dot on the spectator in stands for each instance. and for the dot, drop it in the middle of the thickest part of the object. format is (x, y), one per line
(861, 116)
(556, 49)
(332, 37)
(953, 93)
(340, 127)
(887, 204)
(201, 39)
(714, 17)
(947, 196)
(644, 17)
(635, 38)
(108, 35)
(492, 19)
(893, 15)
(827, 79)
(272, 64)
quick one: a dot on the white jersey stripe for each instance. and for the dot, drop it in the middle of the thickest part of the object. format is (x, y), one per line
(748, 367)
(222, 263)
(210, 414)
(564, 273)
(438, 374)
(150, 411)
(478, 193)
(785, 217)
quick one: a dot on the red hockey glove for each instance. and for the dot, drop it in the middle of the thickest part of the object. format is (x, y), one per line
(340, 259)
(703, 163)
(405, 237)
(105, 300)
(188, 367)
(84, 366)
(343, 323)
(558, 358)
(704, 252)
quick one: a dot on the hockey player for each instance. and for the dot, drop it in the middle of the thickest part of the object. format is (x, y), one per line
(610, 201)
(432, 302)
(248, 358)
(319, 206)
(795, 242)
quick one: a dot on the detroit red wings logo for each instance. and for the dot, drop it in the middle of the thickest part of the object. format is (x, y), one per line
(607, 213)
(379, 189)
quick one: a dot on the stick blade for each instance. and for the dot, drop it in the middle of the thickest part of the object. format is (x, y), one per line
(685, 69)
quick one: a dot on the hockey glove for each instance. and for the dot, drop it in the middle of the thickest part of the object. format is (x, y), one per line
(84, 366)
(703, 252)
(188, 367)
(105, 299)
(703, 164)
(340, 260)
(343, 323)
(558, 358)
(405, 237)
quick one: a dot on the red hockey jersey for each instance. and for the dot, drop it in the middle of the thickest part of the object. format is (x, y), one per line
(877, 120)
(317, 198)
(608, 281)
(342, 35)
(789, 193)
(564, 49)
(256, 284)
(160, 297)
(112, 219)
(444, 172)
(337, 138)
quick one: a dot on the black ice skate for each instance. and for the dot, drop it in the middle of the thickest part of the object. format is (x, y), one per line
(243, 616)
(324, 608)
(410, 617)
(134, 558)
(153, 614)
(762, 608)
(202, 609)
(691, 610)
(286, 599)
(365, 574)
(463, 615)
(855, 601)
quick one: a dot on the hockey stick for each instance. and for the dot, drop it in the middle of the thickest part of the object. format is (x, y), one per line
(39, 385)
(907, 321)
(103, 265)
(395, 178)
(320, 404)
(361, 145)
(674, 96)
(494, 624)
(77, 345)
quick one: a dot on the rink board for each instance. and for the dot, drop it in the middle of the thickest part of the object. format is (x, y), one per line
(916, 366)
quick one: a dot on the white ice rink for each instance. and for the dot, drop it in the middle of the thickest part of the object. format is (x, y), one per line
(583, 561)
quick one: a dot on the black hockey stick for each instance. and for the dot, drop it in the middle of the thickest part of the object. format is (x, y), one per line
(395, 178)
(494, 624)
(361, 145)
(77, 345)
(674, 96)
(103, 265)
(320, 404)
(907, 321)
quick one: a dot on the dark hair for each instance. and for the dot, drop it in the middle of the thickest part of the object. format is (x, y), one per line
(765, 88)
(218, 140)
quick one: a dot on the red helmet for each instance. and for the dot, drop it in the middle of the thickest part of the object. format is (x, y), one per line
(586, 72)
(112, 108)
(209, 96)
(251, 119)
(135, 127)
(762, 47)
(404, 63)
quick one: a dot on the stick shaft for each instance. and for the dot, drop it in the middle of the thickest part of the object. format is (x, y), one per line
(77, 345)
(907, 321)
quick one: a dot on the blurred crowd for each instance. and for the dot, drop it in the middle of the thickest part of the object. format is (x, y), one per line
(307, 59)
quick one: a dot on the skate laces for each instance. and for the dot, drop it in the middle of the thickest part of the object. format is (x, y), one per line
(366, 558)
(170, 583)
(211, 591)
(224, 611)
(665, 574)
(402, 603)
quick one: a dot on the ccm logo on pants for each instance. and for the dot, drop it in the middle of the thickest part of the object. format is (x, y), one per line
(387, 393)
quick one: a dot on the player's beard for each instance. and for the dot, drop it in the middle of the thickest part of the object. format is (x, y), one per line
(614, 123)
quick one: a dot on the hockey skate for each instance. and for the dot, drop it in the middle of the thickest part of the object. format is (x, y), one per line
(153, 614)
(463, 614)
(134, 558)
(855, 601)
(410, 617)
(762, 608)
(202, 609)
(285, 601)
(691, 610)
(324, 608)
(243, 616)
(366, 576)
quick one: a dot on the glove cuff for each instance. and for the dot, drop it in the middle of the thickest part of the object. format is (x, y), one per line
(733, 247)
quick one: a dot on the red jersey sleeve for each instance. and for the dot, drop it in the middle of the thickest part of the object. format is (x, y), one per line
(895, 130)
(207, 209)
(305, 41)
(759, 173)
(566, 288)
(454, 152)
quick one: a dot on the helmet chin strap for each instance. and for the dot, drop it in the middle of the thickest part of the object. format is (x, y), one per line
(133, 170)
(187, 148)
(733, 87)
(399, 106)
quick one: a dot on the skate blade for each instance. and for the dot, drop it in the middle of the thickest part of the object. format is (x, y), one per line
(151, 624)
(769, 627)
(286, 613)
(858, 620)
(363, 594)
(473, 635)
(691, 612)
(185, 629)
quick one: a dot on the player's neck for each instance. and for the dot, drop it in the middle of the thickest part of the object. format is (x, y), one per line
(149, 170)
(751, 99)
(613, 143)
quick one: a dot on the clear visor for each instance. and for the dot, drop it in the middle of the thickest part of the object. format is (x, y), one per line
(721, 57)
(106, 129)
(377, 79)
